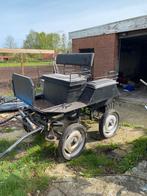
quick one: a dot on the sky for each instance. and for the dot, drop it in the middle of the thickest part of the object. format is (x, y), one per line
(18, 17)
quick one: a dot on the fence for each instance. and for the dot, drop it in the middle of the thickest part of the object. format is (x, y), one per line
(34, 72)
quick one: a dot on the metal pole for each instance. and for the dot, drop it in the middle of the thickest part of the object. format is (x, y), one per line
(22, 64)
(19, 141)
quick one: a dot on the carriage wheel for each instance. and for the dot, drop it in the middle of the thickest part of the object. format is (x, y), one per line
(109, 123)
(72, 141)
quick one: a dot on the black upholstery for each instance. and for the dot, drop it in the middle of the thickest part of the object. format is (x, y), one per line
(68, 80)
(81, 59)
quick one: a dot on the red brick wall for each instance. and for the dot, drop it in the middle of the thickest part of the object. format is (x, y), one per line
(106, 52)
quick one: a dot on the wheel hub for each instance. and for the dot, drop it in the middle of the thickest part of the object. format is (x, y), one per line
(110, 124)
(73, 144)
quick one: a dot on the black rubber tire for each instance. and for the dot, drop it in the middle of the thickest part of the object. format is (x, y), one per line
(67, 133)
(102, 123)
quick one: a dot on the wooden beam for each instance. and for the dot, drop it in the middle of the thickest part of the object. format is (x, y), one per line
(26, 51)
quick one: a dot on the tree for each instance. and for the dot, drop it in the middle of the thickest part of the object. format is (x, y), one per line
(63, 42)
(50, 41)
(10, 42)
(55, 40)
(31, 40)
(42, 40)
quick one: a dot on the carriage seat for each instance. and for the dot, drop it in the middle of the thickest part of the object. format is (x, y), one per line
(71, 80)
(59, 88)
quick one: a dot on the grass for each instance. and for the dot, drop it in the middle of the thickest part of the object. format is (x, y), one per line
(138, 153)
(99, 161)
(16, 64)
(27, 173)
(7, 129)
(23, 171)
(126, 124)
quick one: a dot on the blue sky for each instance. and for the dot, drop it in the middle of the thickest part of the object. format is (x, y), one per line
(18, 17)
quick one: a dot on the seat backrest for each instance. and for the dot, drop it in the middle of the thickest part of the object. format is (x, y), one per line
(84, 60)
(23, 88)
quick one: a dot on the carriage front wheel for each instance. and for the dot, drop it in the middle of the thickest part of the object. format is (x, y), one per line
(109, 123)
(72, 141)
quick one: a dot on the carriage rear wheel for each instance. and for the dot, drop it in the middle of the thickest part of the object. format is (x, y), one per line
(109, 123)
(72, 141)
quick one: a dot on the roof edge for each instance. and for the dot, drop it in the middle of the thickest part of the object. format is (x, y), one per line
(129, 24)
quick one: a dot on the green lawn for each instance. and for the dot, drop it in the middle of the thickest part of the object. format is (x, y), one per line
(99, 161)
(15, 64)
(26, 174)
(24, 170)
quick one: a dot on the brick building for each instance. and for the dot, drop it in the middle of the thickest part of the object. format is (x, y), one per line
(119, 46)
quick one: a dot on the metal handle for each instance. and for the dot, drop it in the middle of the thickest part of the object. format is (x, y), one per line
(39, 129)
(145, 83)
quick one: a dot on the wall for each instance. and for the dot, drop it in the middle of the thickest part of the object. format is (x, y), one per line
(106, 52)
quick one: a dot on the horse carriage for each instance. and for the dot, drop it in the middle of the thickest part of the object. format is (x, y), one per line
(65, 99)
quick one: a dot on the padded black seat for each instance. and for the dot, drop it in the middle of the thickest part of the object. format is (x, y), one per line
(83, 61)
(70, 80)
(59, 88)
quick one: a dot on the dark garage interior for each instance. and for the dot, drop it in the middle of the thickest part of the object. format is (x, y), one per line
(133, 67)
(133, 58)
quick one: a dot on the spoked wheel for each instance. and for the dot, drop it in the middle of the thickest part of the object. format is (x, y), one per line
(109, 123)
(72, 141)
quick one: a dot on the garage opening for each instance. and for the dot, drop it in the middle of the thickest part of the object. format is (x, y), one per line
(133, 58)
(132, 68)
